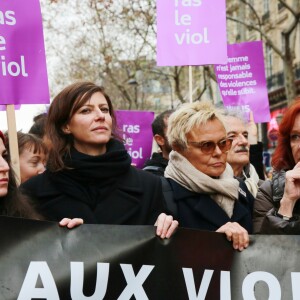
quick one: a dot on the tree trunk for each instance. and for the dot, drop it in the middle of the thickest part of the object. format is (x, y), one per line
(288, 69)
(289, 84)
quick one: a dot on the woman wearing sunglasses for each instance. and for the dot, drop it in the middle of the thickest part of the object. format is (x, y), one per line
(206, 194)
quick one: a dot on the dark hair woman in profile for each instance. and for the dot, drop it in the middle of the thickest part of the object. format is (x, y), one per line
(89, 173)
(12, 202)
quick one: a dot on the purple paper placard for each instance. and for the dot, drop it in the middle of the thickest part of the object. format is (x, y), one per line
(23, 73)
(136, 133)
(3, 107)
(191, 32)
(242, 81)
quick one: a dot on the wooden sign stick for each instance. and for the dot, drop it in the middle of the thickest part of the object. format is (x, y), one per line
(13, 141)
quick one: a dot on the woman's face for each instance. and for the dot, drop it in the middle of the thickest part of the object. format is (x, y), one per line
(4, 168)
(31, 164)
(212, 164)
(295, 139)
(91, 126)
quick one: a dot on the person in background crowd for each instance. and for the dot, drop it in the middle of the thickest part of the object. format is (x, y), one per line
(32, 153)
(89, 173)
(205, 192)
(246, 153)
(13, 203)
(277, 209)
(269, 172)
(38, 127)
(159, 160)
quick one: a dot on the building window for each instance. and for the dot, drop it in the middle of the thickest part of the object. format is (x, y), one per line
(269, 60)
(283, 43)
(266, 6)
(266, 10)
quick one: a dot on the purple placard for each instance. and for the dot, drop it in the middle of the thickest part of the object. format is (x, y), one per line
(242, 81)
(136, 133)
(191, 32)
(3, 107)
(23, 73)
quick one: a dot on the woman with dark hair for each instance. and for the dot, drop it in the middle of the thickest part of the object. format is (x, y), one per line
(32, 153)
(277, 209)
(13, 203)
(89, 173)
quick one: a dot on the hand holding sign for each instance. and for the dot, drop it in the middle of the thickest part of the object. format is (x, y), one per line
(252, 130)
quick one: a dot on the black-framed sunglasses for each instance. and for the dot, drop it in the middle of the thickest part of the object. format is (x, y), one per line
(208, 147)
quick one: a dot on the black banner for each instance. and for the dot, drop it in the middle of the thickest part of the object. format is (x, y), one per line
(40, 260)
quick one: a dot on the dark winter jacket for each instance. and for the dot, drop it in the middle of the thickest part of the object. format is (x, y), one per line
(266, 206)
(100, 190)
(156, 164)
(199, 211)
(256, 159)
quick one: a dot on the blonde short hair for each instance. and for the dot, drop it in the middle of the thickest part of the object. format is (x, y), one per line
(188, 116)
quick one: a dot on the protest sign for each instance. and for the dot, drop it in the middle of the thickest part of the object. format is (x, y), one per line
(191, 32)
(3, 107)
(42, 260)
(23, 74)
(136, 133)
(242, 80)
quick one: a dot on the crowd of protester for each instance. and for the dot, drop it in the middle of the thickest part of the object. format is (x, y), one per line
(208, 173)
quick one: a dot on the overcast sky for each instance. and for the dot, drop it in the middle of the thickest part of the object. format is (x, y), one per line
(24, 117)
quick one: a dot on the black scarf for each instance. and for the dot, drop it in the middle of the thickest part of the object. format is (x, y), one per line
(92, 177)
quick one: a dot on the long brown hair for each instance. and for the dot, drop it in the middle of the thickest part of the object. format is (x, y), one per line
(61, 110)
(282, 158)
(15, 204)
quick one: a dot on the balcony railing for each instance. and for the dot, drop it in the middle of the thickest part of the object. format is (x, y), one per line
(276, 81)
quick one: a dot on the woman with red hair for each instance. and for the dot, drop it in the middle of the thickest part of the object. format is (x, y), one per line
(277, 209)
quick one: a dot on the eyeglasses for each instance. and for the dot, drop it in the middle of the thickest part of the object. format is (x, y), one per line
(210, 146)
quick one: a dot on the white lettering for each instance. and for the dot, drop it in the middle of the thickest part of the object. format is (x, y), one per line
(190, 283)
(134, 283)
(252, 278)
(225, 289)
(13, 68)
(136, 153)
(7, 18)
(295, 285)
(77, 272)
(194, 38)
(10, 17)
(131, 128)
(2, 42)
(29, 291)
(182, 20)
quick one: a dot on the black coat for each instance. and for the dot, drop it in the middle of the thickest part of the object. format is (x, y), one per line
(199, 211)
(136, 200)
(156, 164)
